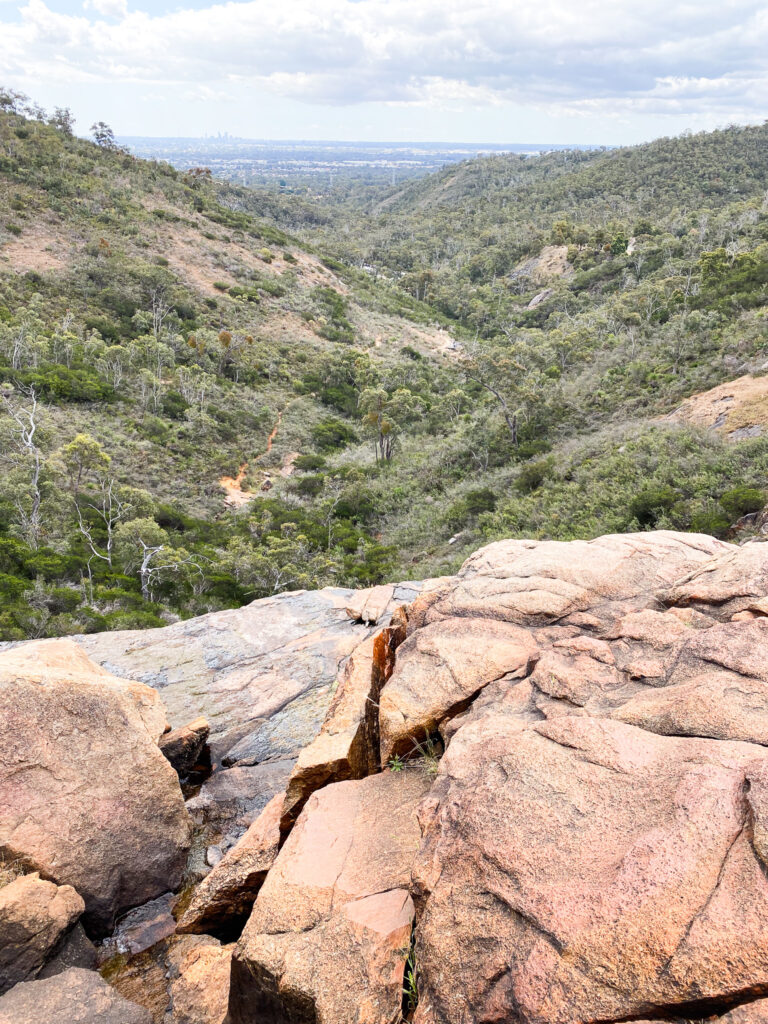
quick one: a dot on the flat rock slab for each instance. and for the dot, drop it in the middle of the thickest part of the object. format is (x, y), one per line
(341, 748)
(241, 666)
(73, 997)
(286, 732)
(334, 906)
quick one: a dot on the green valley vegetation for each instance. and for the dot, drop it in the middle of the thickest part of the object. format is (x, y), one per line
(378, 386)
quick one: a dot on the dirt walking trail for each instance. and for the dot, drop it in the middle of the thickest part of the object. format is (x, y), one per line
(233, 485)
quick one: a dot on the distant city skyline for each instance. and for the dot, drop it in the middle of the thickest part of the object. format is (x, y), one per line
(506, 71)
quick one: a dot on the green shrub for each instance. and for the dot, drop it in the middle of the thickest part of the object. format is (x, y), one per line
(533, 474)
(739, 501)
(309, 463)
(106, 328)
(63, 384)
(132, 620)
(310, 486)
(647, 506)
(174, 405)
(332, 434)
(11, 587)
(152, 427)
(470, 505)
(712, 521)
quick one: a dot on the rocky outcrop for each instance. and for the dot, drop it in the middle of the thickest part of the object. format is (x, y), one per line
(538, 794)
(593, 846)
(242, 668)
(86, 797)
(330, 931)
(74, 997)
(347, 746)
(35, 917)
(184, 746)
(223, 900)
(581, 583)
(736, 409)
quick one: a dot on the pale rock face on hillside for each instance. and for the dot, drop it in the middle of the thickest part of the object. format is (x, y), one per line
(737, 409)
(534, 793)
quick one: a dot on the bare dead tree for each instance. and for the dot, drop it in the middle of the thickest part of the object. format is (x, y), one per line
(161, 307)
(25, 452)
(110, 510)
(149, 574)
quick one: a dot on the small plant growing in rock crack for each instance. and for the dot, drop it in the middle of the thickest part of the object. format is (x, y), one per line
(424, 754)
(410, 991)
(410, 983)
(427, 755)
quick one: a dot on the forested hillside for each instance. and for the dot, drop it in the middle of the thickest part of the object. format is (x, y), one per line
(209, 395)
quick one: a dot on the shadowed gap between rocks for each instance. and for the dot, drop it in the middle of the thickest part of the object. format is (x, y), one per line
(362, 758)
(264, 1000)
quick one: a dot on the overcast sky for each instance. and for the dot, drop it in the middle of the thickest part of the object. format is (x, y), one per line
(433, 70)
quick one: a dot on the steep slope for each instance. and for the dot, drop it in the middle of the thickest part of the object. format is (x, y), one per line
(157, 339)
(601, 290)
(225, 412)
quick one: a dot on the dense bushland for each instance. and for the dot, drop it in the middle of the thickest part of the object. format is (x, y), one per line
(380, 380)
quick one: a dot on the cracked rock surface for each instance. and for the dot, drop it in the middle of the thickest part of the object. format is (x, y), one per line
(532, 793)
(330, 932)
(594, 845)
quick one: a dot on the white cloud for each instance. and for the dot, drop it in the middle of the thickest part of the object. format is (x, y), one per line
(597, 55)
(108, 8)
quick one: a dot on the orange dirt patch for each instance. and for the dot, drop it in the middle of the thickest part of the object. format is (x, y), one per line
(36, 249)
(737, 409)
(198, 261)
(235, 496)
